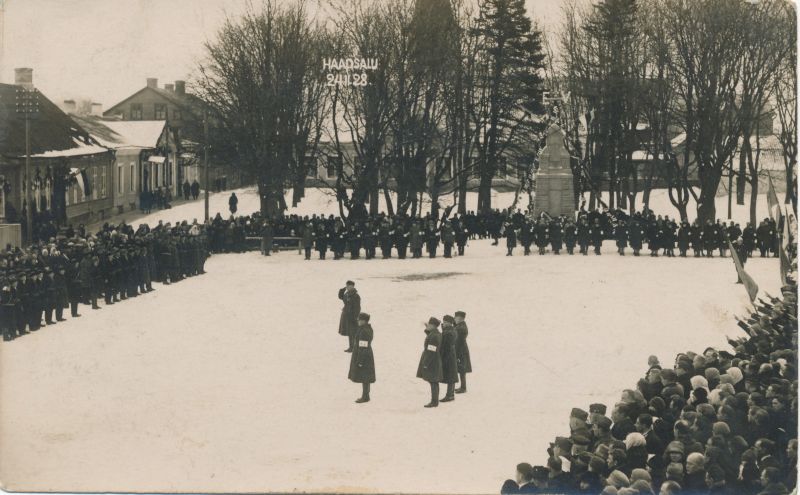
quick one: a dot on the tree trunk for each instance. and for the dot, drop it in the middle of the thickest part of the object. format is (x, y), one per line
(741, 178)
(753, 197)
(485, 194)
(388, 197)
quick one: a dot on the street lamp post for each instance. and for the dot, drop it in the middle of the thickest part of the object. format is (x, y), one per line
(205, 159)
(28, 107)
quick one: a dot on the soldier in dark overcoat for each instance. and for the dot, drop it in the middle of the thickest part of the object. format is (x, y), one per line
(431, 239)
(462, 351)
(308, 239)
(385, 234)
(583, 236)
(555, 236)
(449, 360)
(570, 236)
(526, 237)
(448, 238)
(635, 236)
(61, 294)
(348, 321)
(511, 238)
(542, 235)
(684, 234)
(621, 236)
(430, 363)
(461, 236)
(362, 362)
(596, 234)
(400, 234)
(267, 234)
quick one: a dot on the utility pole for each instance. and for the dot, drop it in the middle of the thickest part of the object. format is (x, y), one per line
(205, 158)
(28, 107)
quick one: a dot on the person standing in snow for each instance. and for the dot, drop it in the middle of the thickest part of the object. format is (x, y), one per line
(449, 361)
(462, 351)
(348, 322)
(233, 203)
(430, 363)
(362, 362)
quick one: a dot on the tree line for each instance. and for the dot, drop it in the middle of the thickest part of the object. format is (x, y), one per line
(457, 95)
(708, 69)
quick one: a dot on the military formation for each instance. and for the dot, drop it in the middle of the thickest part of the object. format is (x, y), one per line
(641, 231)
(445, 355)
(73, 268)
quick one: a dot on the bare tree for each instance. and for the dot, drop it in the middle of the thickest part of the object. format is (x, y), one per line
(785, 91)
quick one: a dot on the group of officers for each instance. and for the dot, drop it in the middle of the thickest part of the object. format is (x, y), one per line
(445, 354)
(658, 234)
(117, 263)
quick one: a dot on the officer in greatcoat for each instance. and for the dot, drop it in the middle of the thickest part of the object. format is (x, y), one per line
(449, 361)
(462, 351)
(362, 362)
(430, 363)
(348, 322)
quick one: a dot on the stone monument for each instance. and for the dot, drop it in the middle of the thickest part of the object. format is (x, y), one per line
(555, 189)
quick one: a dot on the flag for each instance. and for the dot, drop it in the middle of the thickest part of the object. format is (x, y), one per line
(749, 283)
(82, 179)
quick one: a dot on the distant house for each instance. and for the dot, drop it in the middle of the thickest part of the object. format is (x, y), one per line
(58, 145)
(182, 113)
(140, 151)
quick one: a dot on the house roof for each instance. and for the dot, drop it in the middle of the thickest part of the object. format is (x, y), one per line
(118, 134)
(53, 133)
(186, 101)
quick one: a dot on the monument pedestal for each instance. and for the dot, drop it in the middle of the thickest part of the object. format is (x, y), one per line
(555, 189)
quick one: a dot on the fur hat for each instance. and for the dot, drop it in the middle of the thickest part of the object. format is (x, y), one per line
(461, 314)
(434, 321)
(598, 409)
(579, 413)
(618, 479)
(363, 317)
(448, 319)
(604, 422)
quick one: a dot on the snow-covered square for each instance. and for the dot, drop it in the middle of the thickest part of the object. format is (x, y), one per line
(237, 380)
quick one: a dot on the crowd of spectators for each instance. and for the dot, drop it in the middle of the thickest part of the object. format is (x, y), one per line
(716, 422)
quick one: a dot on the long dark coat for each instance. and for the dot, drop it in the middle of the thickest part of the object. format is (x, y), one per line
(362, 362)
(462, 350)
(348, 321)
(449, 360)
(430, 363)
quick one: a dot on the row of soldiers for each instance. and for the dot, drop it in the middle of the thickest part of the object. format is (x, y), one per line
(659, 234)
(116, 263)
(445, 354)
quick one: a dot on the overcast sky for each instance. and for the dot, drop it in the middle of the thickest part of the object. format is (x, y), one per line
(105, 49)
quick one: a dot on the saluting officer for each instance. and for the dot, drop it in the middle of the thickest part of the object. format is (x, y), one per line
(449, 361)
(430, 363)
(348, 321)
(462, 351)
(362, 362)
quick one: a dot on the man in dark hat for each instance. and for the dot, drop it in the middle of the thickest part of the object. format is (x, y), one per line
(348, 321)
(462, 351)
(430, 363)
(449, 362)
(362, 362)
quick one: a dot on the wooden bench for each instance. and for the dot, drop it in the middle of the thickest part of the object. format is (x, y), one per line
(278, 243)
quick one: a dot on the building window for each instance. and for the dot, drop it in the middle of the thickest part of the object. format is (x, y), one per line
(176, 114)
(161, 111)
(133, 178)
(119, 180)
(333, 163)
(311, 163)
(104, 191)
(136, 111)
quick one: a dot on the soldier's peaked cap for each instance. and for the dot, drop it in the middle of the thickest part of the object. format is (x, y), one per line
(461, 314)
(350, 282)
(434, 321)
(448, 319)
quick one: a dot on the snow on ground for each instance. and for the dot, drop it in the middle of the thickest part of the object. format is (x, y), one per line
(323, 201)
(236, 380)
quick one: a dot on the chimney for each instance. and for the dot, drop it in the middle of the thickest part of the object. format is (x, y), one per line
(24, 77)
(152, 82)
(180, 87)
(170, 87)
(97, 109)
(69, 106)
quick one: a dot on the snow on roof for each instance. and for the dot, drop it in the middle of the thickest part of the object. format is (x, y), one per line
(135, 133)
(82, 149)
